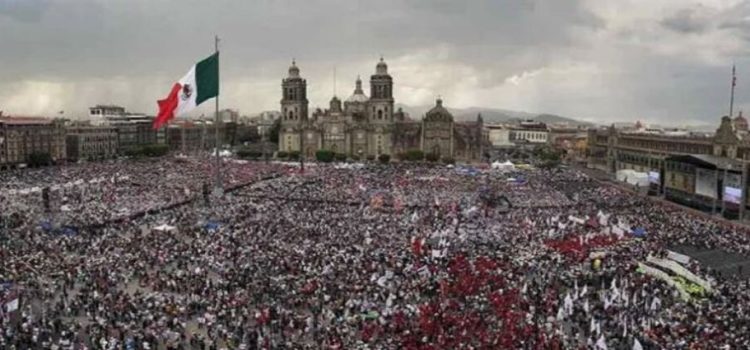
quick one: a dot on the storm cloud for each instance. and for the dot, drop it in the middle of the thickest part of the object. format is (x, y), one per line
(667, 61)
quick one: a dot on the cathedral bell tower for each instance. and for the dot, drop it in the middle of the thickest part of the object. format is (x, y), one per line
(381, 95)
(293, 110)
(294, 97)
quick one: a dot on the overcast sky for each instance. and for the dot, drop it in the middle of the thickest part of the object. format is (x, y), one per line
(665, 61)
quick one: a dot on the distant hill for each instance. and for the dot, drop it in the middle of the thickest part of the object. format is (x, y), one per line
(493, 115)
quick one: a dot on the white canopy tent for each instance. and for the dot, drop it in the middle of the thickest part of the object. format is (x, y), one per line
(504, 166)
(633, 177)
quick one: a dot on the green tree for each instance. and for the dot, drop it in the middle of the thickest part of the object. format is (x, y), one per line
(38, 159)
(414, 155)
(324, 156)
(246, 153)
(281, 154)
(384, 158)
(273, 132)
(432, 157)
(340, 157)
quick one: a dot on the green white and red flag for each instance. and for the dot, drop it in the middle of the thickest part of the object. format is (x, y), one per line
(199, 84)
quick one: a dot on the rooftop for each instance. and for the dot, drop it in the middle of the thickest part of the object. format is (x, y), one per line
(25, 120)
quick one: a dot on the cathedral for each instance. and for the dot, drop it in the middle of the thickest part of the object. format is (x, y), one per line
(369, 126)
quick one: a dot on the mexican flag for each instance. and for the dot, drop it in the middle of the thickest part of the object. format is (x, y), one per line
(199, 84)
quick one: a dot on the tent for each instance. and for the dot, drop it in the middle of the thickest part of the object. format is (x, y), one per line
(633, 177)
(504, 166)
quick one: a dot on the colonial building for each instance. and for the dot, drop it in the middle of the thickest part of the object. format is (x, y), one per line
(499, 136)
(529, 133)
(133, 130)
(690, 168)
(91, 142)
(369, 126)
(190, 136)
(21, 137)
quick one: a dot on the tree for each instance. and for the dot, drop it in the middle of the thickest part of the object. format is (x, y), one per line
(248, 153)
(324, 156)
(294, 155)
(371, 157)
(432, 157)
(384, 158)
(414, 155)
(281, 154)
(448, 160)
(340, 157)
(273, 132)
(38, 159)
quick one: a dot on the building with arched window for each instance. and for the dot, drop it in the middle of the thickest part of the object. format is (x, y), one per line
(370, 126)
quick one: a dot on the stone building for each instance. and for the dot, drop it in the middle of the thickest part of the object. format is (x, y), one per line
(529, 133)
(91, 142)
(22, 136)
(190, 136)
(133, 130)
(690, 168)
(370, 126)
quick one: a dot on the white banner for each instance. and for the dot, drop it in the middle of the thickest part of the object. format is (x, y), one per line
(680, 258)
(664, 277)
(576, 220)
(681, 271)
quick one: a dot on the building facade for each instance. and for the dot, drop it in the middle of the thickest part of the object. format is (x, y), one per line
(499, 136)
(369, 126)
(187, 136)
(93, 142)
(133, 130)
(21, 137)
(690, 168)
(101, 114)
(529, 133)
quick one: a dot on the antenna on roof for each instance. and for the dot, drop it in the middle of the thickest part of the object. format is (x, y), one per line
(334, 80)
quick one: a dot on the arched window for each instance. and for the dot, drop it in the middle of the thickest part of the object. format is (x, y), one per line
(291, 116)
(380, 114)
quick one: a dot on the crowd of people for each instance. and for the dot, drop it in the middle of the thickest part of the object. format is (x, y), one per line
(363, 256)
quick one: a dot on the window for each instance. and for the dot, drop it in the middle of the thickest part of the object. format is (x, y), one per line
(380, 114)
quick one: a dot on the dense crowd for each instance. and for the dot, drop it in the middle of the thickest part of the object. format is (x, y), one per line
(358, 257)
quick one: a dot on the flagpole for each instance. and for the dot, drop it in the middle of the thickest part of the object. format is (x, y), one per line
(731, 98)
(218, 190)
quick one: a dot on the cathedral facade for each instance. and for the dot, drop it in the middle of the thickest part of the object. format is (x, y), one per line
(369, 126)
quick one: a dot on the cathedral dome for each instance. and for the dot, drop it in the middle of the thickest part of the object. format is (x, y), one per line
(359, 95)
(438, 113)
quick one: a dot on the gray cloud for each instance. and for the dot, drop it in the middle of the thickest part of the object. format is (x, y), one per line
(594, 59)
(686, 21)
(23, 10)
